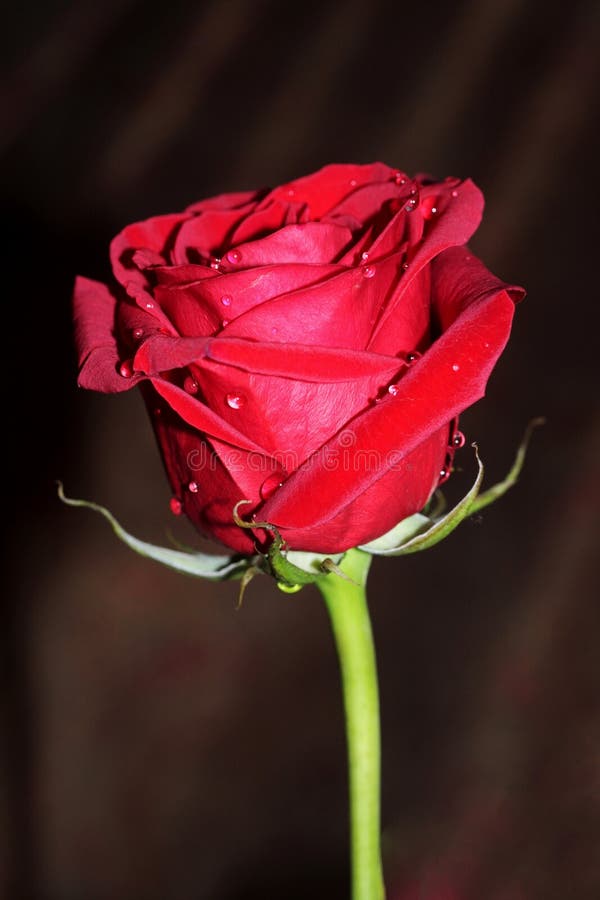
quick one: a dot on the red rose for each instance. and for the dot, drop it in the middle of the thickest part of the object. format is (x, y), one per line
(304, 348)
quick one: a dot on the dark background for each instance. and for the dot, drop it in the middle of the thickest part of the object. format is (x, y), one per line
(155, 742)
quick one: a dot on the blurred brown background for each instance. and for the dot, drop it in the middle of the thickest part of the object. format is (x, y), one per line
(155, 742)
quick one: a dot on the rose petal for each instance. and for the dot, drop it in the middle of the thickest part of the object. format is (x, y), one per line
(299, 362)
(94, 314)
(199, 416)
(244, 290)
(155, 234)
(315, 242)
(339, 311)
(207, 234)
(404, 487)
(449, 377)
(325, 189)
(267, 218)
(231, 200)
(454, 227)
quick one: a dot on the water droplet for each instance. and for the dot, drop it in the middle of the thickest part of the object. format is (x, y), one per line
(137, 334)
(289, 588)
(410, 205)
(235, 401)
(405, 266)
(176, 506)
(226, 300)
(353, 182)
(412, 357)
(193, 487)
(149, 305)
(428, 208)
(126, 368)
(291, 192)
(394, 390)
(270, 485)
(458, 440)
(190, 385)
(225, 323)
(368, 271)
(455, 367)
(234, 256)
(413, 191)
(215, 263)
(444, 475)
(455, 193)
(364, 256)
(399, 178)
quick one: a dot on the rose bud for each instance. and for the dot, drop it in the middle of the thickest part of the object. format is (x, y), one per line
(306, 349)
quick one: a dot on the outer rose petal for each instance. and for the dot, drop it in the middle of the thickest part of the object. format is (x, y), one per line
(447, 379)
(189, 459)
(94, 309)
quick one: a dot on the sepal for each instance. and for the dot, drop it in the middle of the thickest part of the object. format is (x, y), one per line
(420, 532)
(200, 565)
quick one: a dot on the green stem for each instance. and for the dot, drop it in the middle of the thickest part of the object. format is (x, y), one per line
(347, 605)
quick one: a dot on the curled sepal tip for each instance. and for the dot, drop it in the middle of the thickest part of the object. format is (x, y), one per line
(200, 565)
(497, 490)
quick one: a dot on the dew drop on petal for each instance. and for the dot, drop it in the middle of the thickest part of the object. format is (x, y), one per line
(193, 487)
(444, 474)
(270, 485)
(234, 256)
(235, 400)
(368, 271)
(412, 357)
(149, 305)
(458, 440)
(399, 178)
(215, 263)
(364, 256)
(413, 191)
(226, 300)
(393, 390)
(455, 193)
(126, 368)
(190, 385)
(405, 266)
(455, 367)
(176, 506)
(410, 205)
(353, 182)
(428, 208)
(225, 323)
(137, 334)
